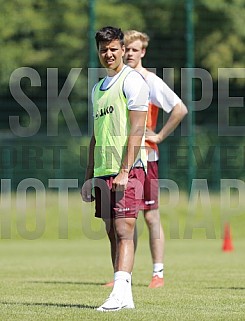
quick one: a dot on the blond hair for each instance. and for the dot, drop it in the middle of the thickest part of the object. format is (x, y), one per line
(132, 35)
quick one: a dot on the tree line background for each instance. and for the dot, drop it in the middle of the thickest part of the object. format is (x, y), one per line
(44, 34)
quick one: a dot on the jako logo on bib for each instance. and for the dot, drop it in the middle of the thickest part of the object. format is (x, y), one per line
(104, 111)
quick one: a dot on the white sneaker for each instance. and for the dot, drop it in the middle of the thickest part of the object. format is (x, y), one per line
(128, 304)
(128, 301)
(114, 304)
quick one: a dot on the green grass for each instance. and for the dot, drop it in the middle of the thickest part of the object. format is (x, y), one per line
(50, 279)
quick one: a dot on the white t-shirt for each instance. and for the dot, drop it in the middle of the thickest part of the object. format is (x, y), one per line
(160, 94)
(162, 97)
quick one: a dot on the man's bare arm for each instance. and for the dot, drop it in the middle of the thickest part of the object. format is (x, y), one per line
(137, 122)
(178, 113)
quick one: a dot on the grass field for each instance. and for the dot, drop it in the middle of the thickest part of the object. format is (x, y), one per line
(49, 278)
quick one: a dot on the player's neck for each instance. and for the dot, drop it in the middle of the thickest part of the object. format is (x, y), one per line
(139, 67)
(142, 70)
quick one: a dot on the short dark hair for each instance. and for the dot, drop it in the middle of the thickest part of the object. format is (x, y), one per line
(108, 34)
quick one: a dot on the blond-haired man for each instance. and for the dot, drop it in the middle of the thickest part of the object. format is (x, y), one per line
(161, 97)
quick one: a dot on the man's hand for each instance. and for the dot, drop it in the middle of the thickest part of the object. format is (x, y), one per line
(151, 136)
(120, 182)
(178, 113)
(86, 191)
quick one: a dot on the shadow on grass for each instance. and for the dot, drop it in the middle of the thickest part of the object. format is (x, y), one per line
(58, 305)
(67, 282)
(226, 288)
(81, 283)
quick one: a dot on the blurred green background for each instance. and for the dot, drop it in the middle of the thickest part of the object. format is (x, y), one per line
(43, 34)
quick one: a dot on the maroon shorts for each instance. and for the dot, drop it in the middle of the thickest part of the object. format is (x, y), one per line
(151, 187)
(110, 204)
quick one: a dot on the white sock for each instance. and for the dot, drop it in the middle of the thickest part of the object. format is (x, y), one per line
(122, 285)
(158, 269)
(129, 294)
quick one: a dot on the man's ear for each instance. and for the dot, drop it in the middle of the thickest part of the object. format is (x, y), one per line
(123, 50)
(143, 52)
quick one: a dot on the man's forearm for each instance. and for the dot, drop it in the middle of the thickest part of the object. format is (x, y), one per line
(133, 149)
(175, 118)
(137, 121)
(90, 167)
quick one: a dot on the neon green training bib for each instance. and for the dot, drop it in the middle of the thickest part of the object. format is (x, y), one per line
(111, 127)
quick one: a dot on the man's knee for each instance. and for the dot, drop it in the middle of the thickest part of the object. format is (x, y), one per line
(125, 228)
(152, 217)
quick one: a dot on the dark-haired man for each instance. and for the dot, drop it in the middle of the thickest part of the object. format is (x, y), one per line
(117, 158)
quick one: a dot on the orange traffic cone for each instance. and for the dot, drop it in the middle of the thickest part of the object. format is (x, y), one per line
(227, 243)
